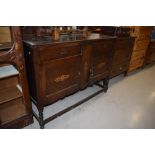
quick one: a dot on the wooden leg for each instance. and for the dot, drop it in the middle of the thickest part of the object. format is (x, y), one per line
(125, 73)
(41, 118)
(105, 84)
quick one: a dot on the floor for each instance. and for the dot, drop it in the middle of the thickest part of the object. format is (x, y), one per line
(129, 103)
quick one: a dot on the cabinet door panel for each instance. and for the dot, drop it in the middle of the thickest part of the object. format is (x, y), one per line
(61, 77)
(121, 55)
(101, 60)
(118, 69)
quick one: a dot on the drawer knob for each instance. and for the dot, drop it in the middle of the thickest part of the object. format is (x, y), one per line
(120, 68)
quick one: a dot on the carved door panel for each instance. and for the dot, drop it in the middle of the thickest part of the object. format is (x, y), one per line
(60, 77)
(101, 60)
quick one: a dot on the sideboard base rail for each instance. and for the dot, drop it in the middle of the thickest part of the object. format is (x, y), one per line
(43, 121)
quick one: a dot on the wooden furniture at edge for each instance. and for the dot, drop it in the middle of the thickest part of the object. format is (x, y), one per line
(59, 68)
(142, 34)
(150, 56)
(15, 107)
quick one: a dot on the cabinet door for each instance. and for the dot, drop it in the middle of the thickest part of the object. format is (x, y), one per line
(101, 58)
(60, 77)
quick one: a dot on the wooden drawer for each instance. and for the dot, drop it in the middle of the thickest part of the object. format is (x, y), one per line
(121, 55)
(48, 53)
(118, 69)
(141, 44)
(102, 46)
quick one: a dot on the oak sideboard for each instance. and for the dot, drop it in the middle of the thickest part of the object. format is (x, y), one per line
(57, 69)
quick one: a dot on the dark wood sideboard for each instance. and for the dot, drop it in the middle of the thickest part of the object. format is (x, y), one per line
(60, 68)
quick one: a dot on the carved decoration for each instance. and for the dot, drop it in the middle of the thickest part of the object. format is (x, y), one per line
(62, 78)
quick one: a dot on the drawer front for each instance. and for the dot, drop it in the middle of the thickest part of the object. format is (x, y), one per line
(101, 46)
(121, 55)
(118, 69)
(48, 53)
(141, 44)
(60, 77)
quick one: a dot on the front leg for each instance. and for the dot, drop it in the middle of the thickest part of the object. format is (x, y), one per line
(41, 118)
(105, 84)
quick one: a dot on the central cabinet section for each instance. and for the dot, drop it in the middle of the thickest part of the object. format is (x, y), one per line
(101, 57)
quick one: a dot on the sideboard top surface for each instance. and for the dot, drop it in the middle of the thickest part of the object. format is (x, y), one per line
(65, 38)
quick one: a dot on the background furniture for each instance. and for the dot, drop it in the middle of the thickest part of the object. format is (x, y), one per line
(142, 34)
(123, 46)
(150, 56)
(15, 107)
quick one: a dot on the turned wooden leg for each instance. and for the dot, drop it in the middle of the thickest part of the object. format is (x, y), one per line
(41, 118)
(105, 84)
(125, 73)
